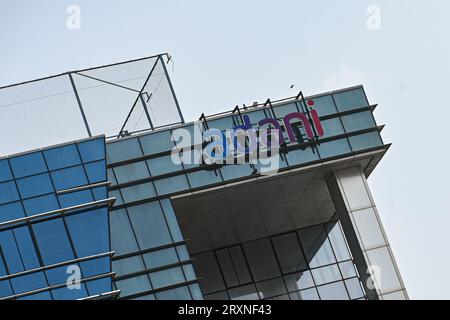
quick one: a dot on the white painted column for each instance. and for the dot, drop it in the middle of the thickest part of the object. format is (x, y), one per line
(354, 204)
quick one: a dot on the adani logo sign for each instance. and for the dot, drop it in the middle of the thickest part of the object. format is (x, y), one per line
(247, 143)
(312, 128)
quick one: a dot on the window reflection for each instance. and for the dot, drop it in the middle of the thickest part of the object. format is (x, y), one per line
(272, 272)
(348, 100)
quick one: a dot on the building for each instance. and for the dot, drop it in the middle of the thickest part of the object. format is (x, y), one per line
(140, 225)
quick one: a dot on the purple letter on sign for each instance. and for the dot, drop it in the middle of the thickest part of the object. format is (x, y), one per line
(305, 122)
(276, 125)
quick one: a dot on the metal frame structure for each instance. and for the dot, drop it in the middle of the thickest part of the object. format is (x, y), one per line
(70, 81)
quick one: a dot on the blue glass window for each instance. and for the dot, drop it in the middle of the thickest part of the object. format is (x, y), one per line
(29, 282)
(264, 165)
(230, 172)
(203, 178)
(75, 198)
(351, 99)
(116, 194)
(358, 121)
(163, 165)
(10, 252)
(283, 110)
(5, 171)
(96, 266)
(149, 225)
(62, 157)
(5, 289)
(226, 123)
(365, 141)
(41, 204)
(157, 142)
(181, 293)
(111, 176)
(189, 272)
(167, 277)
(123, 150)
(133, 285)
(145, 298)
(35, 185)
(138, 192)
(59, 275)
(26, 248)
(28, 164)
(256, 116)
(89, 232)
(37, 296)
(96, 171)
(324, 105)
(191, 158)
(171, 220)
(195, 136)
(299, 156)
(128, 266)
(69, 178)
(196, 292)
(131, 172)
(53, 242)
(65, 293)
(11, 211)
(8, 192)
(99, 286)
(160, 258)
(332, 127)
(92, 150)
(183, 253)
(171, 185)
(100, 193)
(334, 148)
(122, 238)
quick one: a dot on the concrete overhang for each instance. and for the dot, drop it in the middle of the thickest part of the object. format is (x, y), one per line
(263, 205)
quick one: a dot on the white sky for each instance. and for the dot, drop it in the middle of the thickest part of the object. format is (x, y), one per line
(236, 52)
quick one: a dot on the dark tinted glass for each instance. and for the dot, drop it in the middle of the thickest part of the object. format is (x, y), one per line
(289, 253)
(261, 259)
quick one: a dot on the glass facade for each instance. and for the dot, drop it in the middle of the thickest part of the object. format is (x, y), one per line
(308, 264)
(54, 223)
(349, 128)
(136, 245)
(144, 227)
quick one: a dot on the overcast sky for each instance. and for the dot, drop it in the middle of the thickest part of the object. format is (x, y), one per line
(236, 52)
